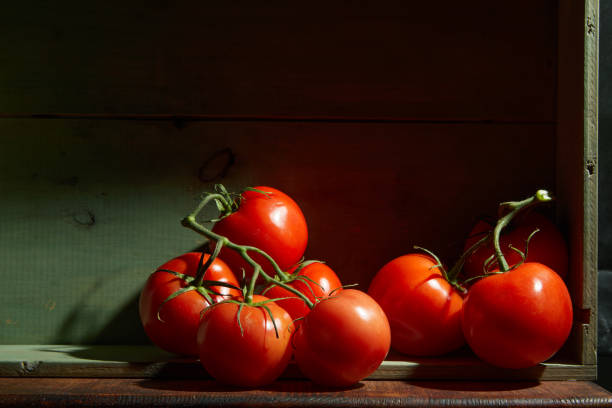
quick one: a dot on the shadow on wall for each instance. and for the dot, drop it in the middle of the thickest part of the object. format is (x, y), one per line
(605, 192)
(604, 329)
(124, 328)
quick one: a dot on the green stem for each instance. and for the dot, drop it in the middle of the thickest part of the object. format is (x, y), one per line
(191, 223)
(209, 198)
(203, 268)
(514, 208)
(435, 257)
(456, 269)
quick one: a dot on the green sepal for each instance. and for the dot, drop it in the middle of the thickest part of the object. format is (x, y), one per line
(488, 262)
(302, 264)
(350, 285)
(209, 283)
(267, 309)
(172, 296)
(307, 279)
(266, 193)
(240, 306)
(220, 206)
(263, 302)
(186, 278)
(206, 295)
(439, 263)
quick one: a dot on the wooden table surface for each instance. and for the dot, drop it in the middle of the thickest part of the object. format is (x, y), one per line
(55, 392)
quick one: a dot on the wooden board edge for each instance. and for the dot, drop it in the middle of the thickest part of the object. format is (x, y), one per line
(481, 371)
(407, 371)
(396, 367)
(577, 148)
(591, 119)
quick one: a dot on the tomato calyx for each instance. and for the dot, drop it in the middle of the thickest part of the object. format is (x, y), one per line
(241, 302)
(496, 263)
(294, 276)
(450, 276)
(489, 264)
(227, 202)
(198, 284)
(492, 260)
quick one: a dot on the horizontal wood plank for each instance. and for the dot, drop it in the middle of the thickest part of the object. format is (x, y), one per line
(90, 208)
(389, 59)
(192, 393)
(151, 362)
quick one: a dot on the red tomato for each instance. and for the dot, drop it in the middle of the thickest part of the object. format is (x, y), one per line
(251, 358)
(342, 340)
(325, 281)
(423, 309)
(519, 318)
(547, 246)
(176, 331)
(272, 222)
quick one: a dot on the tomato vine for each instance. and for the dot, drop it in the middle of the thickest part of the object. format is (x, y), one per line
(226, 203)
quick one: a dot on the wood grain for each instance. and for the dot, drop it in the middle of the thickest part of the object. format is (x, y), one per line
(577, 149)
(92, 207)
(390, 59)
(192, 393)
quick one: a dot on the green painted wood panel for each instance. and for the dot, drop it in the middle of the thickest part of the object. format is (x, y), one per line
(474, 60)
(369, 192)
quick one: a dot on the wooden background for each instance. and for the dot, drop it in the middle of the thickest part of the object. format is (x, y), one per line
(393, 124)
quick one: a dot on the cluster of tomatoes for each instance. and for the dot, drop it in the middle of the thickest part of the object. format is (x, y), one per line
(511, 306)
(253, 305)
(245, 330)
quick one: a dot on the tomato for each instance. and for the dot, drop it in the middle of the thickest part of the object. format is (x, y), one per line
(272, 222)
(342, 340)
(424, 310)
(315, 280)
(519, 318)
(248, 357)
(547, 246)
(175, 328)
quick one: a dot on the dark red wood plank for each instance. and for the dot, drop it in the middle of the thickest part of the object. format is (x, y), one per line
(131, 392)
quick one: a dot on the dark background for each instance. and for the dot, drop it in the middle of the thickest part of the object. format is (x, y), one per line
(605, 195)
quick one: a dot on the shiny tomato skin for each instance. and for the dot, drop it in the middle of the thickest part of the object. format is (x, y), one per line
(547, 246)
(180, 317)
(519, 318)
(253, 358)
(423, 309)
(342, 340)
(273, 223)
(325, 281)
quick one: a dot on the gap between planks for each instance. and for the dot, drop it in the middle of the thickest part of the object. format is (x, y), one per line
(266, 118)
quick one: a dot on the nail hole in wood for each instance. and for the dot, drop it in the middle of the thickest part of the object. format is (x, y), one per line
(29, 367)
(590, 167)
